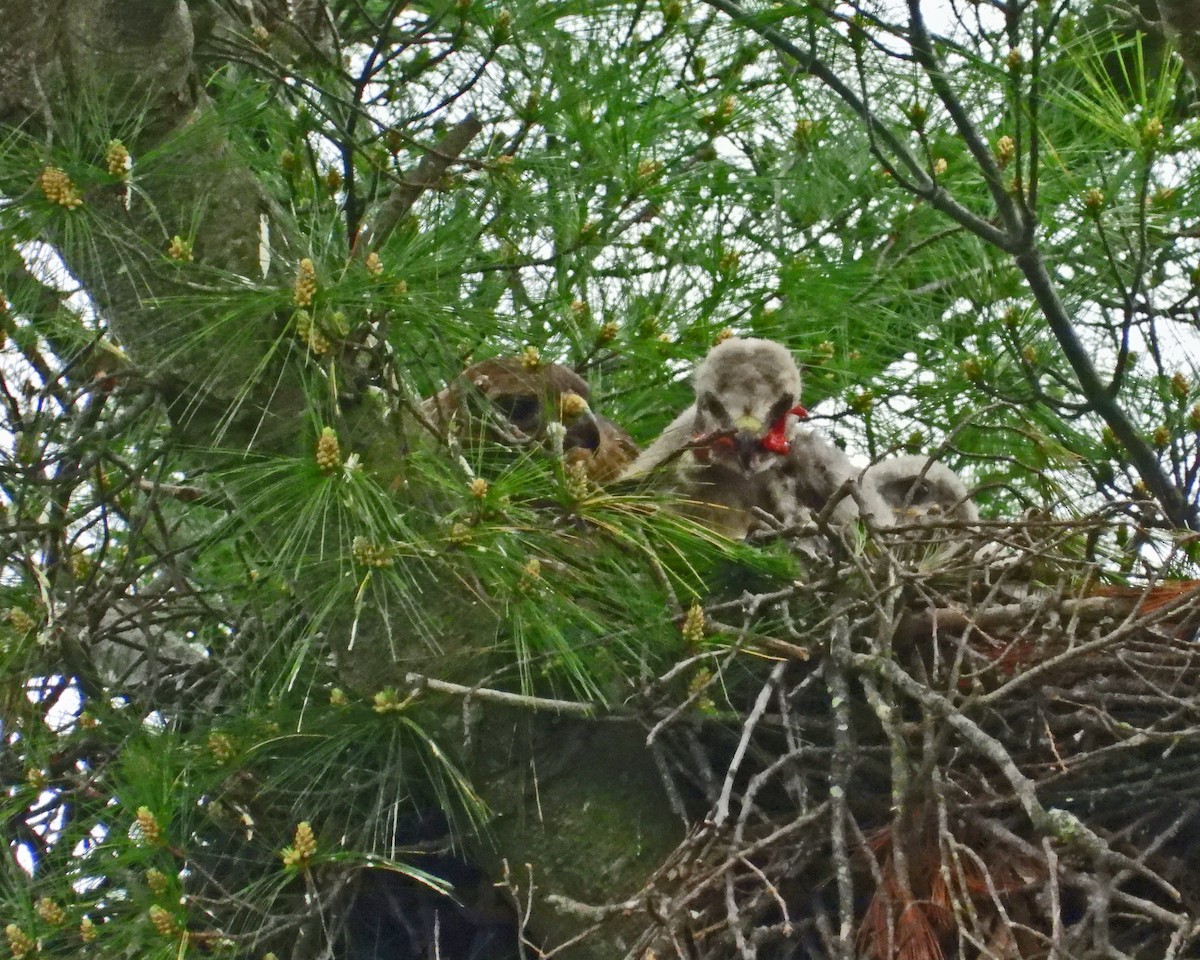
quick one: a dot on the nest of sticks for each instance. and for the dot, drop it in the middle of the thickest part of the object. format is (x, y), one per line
(948, 740)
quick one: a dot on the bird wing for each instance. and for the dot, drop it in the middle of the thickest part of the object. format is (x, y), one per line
(670, 442)
(811, 474)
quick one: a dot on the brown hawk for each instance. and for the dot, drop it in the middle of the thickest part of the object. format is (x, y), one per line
(511, 401)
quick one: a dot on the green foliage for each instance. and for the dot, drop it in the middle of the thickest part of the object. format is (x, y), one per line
(206, 620)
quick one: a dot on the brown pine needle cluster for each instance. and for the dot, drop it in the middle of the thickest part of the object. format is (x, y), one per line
(221, 746)
(20, 620)
(1005, 151)
(307, 331)
(156, 880)
(180, 249)
(20, 944)
(693, 625)
(117, 160)
(148, 826)
(531, 358)
(576, 480)
(389, 700)
(698, 686)
(305, 286)
(571, 406)
(50, 911)
(162, 921)
(370, 554)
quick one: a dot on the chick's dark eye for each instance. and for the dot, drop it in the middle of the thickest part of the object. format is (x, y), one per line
(780, 407)
(710, 405)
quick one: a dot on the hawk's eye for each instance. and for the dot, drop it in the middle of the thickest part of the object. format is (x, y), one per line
(712, 407)
(780, 408)
(521, 411)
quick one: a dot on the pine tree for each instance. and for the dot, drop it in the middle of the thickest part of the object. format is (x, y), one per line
(292, 664)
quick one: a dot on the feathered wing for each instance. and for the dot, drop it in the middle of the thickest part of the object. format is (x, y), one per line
(672, 440)
(716, 495)
(738, 450)
(813, 473)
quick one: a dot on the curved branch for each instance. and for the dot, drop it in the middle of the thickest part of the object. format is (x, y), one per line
(1056, 822)
(408, 191)
(923, 185)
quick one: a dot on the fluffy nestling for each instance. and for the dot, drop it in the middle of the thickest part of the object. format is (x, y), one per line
(739, 446)
(916, 489)
(742, 387)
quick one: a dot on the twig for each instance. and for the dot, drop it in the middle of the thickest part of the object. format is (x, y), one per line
(760, 706)
(206, 498)
(572, 708)
(1057, 822)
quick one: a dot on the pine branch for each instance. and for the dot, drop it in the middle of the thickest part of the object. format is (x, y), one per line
(426, 175)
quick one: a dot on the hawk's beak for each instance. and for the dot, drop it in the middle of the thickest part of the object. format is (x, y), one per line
(749, 424)
(748, 439)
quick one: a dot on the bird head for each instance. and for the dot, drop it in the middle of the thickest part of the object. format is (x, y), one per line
(527, 398)
(747, 393)
(600, 445)
(544, 402)
(916, 489)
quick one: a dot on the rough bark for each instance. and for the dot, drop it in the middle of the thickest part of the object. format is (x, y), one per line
(584, 806)
(1181, 18)
(127, 70)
